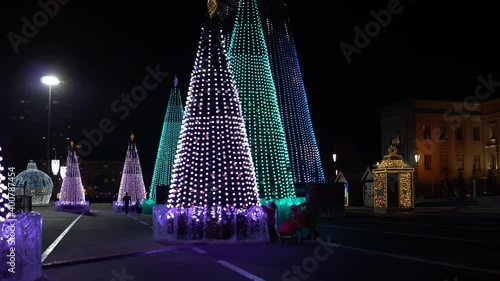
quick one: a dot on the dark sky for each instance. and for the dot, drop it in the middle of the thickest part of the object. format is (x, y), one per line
(100, 50)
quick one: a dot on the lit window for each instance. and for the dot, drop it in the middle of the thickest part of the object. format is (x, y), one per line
(493, 132)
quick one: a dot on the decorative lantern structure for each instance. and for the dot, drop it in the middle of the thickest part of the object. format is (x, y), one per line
(35, 183)
(393, 184)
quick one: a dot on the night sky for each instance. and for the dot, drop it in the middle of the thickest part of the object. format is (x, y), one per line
(427, 50)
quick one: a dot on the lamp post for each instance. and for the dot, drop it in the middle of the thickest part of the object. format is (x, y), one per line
(50, 81)
(334, 156)
(63, 171)
(56, 164)
(417, 159)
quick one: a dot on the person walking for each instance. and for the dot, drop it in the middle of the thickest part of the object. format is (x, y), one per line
(126, 201)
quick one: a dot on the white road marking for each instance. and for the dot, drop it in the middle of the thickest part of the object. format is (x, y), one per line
(434, 237)
(145, 223)
(240, 271)
(49, 250)
(445, 264)
(198, 250)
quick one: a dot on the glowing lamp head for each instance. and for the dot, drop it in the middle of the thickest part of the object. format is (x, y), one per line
(55, 166)
(63, 171)
(417, 158)
(334, 156)
(50, 80)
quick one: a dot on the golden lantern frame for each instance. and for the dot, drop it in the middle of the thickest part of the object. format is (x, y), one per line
(393, 164)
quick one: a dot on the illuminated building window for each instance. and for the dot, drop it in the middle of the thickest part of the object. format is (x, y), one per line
(476, 134)
(427, 132)
(21, 117)
(427, 162)
(444, 162)
(460, 133)
(477, 162)
(493, 132)
(21, 101)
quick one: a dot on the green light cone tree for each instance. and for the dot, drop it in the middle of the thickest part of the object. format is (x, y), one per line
(292, 99)
(249, 61)
(168, 142)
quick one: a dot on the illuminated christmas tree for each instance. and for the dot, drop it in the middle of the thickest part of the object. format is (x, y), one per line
(292, 99)
(213, 162)
(168, 141)
(132, 181)
(4, 194)
(72, 193)
(250, 62)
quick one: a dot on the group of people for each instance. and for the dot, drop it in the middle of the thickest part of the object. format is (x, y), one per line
(312, 212)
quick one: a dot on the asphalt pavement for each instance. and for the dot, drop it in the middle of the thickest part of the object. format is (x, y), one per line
(436, 246)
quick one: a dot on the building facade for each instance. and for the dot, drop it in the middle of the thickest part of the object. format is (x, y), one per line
(456, 143)
(100, 179)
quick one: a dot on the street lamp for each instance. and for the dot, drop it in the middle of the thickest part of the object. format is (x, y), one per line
(334, 157)
(56, 164)
(417, 158)
(50, 81)
(63, 171)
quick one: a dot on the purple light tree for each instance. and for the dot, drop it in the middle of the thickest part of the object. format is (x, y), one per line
(72, 194)
(72, 187)
(132, 180)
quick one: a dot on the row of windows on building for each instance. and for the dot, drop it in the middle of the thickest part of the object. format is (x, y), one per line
(459, 161)
(459, 133)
